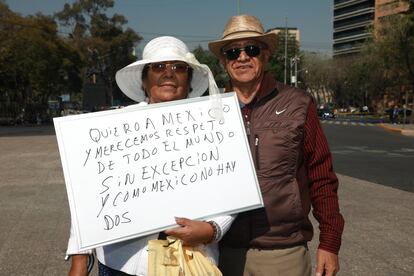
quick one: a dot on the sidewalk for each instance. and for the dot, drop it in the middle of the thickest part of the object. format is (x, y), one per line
(377, 239)
(407, 130)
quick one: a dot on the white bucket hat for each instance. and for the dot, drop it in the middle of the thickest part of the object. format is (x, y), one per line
(160, 49)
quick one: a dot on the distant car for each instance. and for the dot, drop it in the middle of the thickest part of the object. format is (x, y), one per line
(326, 113)
(352, 109)
(365, 109)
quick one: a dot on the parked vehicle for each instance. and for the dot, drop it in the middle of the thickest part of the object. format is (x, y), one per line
(326, 113)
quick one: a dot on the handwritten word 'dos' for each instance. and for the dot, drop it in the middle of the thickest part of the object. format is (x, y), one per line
(114, 220)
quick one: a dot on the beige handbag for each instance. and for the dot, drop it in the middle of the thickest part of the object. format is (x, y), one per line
(170, 258)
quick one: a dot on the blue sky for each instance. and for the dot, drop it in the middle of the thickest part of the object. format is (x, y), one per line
(198, 21)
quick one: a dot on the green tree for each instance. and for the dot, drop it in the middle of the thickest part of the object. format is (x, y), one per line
(103, 42)
(277, 61)
(315, 76)
(391, 55)
(206, 57)
(35, 64)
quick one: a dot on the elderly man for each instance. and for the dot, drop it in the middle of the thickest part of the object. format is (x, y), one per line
(293, 165)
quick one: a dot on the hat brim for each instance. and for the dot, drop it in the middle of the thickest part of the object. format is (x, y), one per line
(269, 39)
(129, 78)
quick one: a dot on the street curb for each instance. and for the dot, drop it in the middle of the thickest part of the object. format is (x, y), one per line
(393, 129)
(405, 132)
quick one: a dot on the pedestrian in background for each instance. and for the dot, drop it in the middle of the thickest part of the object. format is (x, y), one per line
(293, 165)
(167, 72)
(394, 115)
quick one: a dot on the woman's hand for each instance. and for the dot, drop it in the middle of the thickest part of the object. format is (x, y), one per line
(191, 232)
(79, 266)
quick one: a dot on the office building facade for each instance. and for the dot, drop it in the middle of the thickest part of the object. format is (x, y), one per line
(384, 8)
(352, 20)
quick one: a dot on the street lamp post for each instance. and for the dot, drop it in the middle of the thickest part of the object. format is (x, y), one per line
(296, 72)
(294, 78)
(286, 37)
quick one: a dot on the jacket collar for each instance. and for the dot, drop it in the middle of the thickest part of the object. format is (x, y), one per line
(267, 86)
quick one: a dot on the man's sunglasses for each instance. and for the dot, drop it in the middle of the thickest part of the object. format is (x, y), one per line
(234, 53)
(177, 67)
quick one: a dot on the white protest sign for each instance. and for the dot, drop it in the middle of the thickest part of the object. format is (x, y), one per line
(128, 172)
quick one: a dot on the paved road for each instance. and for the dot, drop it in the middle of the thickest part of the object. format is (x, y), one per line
(368, 152)
(379, 223)
(34, 216)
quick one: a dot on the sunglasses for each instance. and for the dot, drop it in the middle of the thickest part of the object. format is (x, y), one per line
(234, 53)
(178, 67)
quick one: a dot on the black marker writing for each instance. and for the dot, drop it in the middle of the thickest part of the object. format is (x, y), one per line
(88, 152)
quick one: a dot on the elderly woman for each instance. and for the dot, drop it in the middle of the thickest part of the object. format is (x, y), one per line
(167, 72)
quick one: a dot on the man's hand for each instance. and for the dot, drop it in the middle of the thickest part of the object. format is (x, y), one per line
(191, 232)
(79, 265)
(326, 262)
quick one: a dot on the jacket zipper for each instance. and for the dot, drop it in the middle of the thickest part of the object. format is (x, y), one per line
(256, 146)
(247, 125)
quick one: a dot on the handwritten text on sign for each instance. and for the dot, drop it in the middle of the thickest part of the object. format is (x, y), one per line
(129, 172)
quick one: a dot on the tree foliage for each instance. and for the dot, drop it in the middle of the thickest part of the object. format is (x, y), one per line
(35, 64)
(39, 62)
(103, 42)
(380, 75)
(389, 58)
(315, 76)
(277, 60)
(208, 58)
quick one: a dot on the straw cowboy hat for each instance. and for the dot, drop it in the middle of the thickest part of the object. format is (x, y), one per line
(161, 49)
(243, 27)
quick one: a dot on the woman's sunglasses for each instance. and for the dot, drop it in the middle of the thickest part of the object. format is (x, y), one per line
(178, 67)
(234, 53)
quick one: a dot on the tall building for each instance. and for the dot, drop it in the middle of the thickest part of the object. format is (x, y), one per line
(384, 8)
(353, 18)
(294, 32)
(350, 23)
